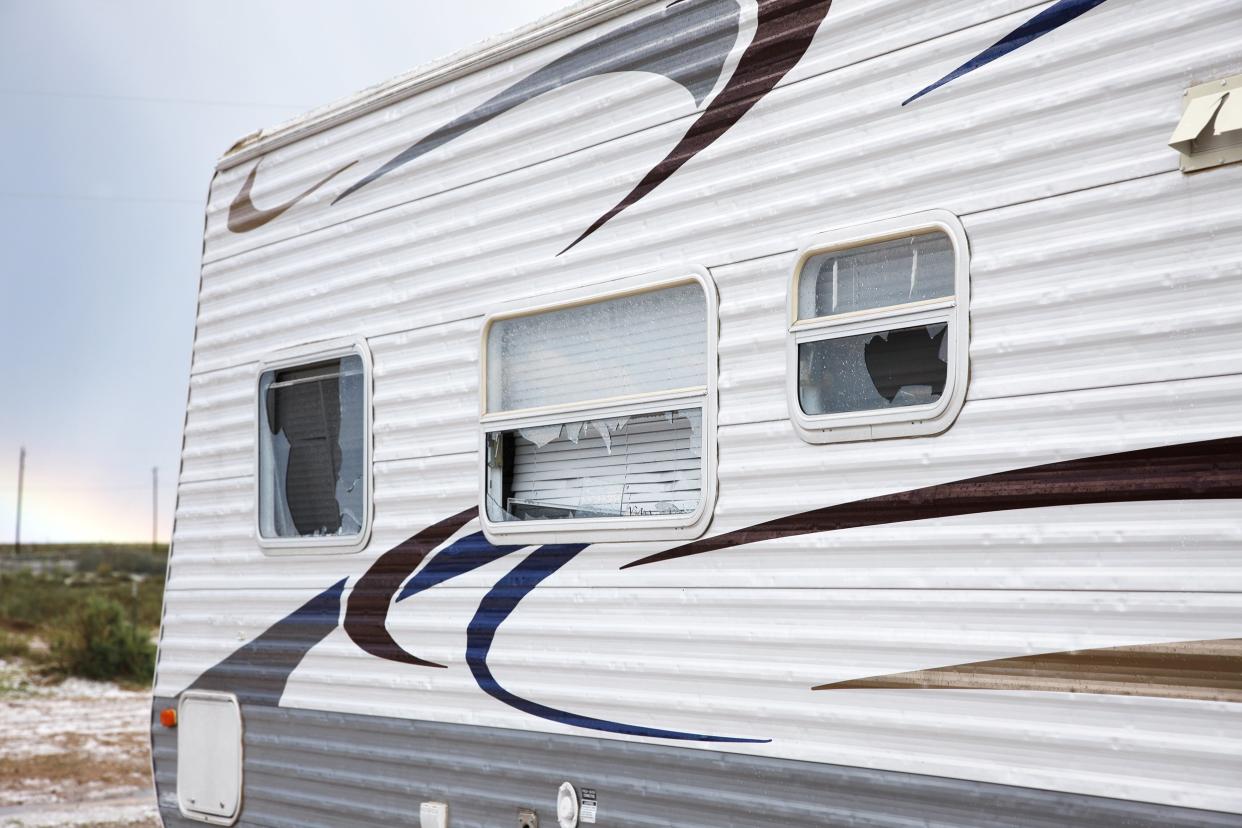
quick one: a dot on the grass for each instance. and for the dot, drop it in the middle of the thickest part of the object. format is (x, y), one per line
(97, 609)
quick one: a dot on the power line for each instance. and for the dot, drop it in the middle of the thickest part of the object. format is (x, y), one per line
(84, 197)
(39, 93)
(75, 488)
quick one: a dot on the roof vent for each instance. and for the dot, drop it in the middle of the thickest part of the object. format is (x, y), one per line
(1210, 132)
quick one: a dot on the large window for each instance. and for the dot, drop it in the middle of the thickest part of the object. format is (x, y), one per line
(599, 413)
(878, 330)
(313, 445)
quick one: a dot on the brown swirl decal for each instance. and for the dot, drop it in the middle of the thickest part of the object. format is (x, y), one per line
(366, 612)
(783, 33)
(689, 42)
(244, 216)
(1199, 670)
(1206, 470)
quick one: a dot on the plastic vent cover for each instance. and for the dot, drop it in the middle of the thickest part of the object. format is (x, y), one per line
(1209, 133)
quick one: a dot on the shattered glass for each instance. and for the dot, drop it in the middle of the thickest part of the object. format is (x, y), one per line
(642, 464)
(873, 371)
(312, 450)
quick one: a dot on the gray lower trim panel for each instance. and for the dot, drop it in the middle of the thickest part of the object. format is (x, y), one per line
(308, 768)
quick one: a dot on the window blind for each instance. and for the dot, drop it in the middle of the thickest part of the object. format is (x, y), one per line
(642, 343)
(648, 464)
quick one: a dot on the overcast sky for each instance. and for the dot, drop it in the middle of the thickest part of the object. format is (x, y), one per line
(114, 113)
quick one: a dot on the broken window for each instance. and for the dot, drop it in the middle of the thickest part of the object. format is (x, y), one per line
(873, 371)
(596, 412)
(645, 464)
(878, 333)
(312, 450)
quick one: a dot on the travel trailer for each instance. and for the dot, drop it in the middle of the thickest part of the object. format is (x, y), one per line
(726, 413)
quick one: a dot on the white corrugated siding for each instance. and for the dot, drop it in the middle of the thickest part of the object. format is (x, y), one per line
(1106, 315)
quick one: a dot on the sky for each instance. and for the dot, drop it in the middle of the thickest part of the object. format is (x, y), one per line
(114, 113)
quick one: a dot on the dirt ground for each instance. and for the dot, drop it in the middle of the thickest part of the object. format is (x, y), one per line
(73, 754)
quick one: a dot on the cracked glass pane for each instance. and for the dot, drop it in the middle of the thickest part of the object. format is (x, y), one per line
(873, 371)
(893, 272)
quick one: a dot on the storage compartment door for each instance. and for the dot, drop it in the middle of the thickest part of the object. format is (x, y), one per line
(209, 757)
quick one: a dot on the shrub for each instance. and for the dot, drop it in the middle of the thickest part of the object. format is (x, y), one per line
(98, 642)
(29, 602)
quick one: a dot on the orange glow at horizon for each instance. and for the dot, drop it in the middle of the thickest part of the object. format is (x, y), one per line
(59, 508)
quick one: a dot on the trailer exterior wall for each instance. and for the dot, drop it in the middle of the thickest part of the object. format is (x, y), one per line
(380, 768)
(1106, 311)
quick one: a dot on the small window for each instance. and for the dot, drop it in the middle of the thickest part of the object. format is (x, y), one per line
(314, 459)
(878, 330)
(599, 414)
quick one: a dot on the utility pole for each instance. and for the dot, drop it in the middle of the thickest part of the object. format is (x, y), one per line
(21, 479)
(155, 505)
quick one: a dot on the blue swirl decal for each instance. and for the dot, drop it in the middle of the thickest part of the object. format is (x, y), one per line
(1051, 18)
(461, 556)
(258, 671)
(500, 603)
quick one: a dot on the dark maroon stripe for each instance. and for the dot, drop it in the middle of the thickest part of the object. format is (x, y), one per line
(783, 33)
(1208, 470)
(367, 608)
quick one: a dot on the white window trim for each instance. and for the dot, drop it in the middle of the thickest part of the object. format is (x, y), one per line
(308, 355)
(602, 530)
(906, 421)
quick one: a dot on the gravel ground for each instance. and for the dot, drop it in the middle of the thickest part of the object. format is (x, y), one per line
(73, 754)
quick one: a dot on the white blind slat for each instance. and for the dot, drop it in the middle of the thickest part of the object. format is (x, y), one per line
(652, 464)
(642, 343)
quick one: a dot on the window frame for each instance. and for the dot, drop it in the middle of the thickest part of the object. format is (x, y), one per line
(887, 423)
(621, 528)
(306, 355)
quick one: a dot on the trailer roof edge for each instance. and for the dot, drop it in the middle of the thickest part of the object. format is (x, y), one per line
(481, 55)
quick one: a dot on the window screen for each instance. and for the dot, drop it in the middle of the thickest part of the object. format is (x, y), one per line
(312, 450)
(647, 350)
